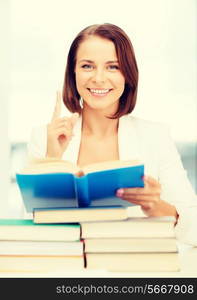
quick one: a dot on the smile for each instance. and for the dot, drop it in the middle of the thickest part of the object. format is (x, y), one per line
(99, 92)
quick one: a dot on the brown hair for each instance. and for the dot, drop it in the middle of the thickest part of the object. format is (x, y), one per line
(127, 65)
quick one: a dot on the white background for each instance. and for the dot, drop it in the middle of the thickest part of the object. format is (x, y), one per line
(163, 33)
(35, 38)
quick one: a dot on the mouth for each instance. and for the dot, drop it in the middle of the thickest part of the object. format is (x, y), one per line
(99, 92)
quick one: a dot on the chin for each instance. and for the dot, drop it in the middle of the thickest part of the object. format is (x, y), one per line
(109, 108)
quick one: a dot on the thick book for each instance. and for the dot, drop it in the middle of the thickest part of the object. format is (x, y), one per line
(31, 263)
(136, 227)
(125, 245)
(50, 183)
(27, 230)
(41, 248)
(134, 262)
(84, 214)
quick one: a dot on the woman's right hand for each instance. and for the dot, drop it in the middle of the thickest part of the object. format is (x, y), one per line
(59, 131)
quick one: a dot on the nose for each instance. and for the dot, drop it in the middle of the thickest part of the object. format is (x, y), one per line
(98, 76)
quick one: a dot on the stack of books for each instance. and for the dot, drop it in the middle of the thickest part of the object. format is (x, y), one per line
(116, 242)
(29, 247)
(51, 241)
(59, 192)
(135, 244)
(103, 239)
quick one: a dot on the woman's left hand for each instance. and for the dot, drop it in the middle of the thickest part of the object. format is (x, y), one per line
(148, 198)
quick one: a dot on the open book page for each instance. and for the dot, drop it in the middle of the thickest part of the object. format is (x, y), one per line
(50, 165)
(108, 165)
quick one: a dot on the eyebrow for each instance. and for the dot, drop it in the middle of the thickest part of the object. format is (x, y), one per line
(90, 61)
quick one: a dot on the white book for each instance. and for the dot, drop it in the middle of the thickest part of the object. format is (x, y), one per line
(130, 245)
(154, 227)
(134, 262)
(40, 263)
(40, 248)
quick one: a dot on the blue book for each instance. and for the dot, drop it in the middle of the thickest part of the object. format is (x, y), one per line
(60, 184)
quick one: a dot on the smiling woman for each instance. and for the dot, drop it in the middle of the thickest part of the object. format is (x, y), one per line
(102, 70)
(99, 80)
(101, 58)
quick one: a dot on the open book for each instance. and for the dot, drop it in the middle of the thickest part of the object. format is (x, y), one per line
(50, 183)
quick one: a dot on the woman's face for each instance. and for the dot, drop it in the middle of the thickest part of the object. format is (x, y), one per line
(99, 80)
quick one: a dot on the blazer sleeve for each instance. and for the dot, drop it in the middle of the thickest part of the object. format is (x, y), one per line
(177, 189)
(37, 144)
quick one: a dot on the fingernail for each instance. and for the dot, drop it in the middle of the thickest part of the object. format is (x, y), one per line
(119, 192)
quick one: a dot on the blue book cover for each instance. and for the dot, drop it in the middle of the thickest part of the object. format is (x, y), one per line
(59, 190)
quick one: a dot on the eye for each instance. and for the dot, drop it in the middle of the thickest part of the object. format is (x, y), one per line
(86, 66)
(113, 67)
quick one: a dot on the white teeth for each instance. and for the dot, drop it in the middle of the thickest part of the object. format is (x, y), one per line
(99, 91)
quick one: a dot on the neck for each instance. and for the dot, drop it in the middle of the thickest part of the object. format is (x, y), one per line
(96, 123)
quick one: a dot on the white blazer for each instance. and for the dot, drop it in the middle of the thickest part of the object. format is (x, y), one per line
(150, 143)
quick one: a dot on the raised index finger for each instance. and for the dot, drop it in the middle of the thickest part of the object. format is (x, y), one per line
(57, 109)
